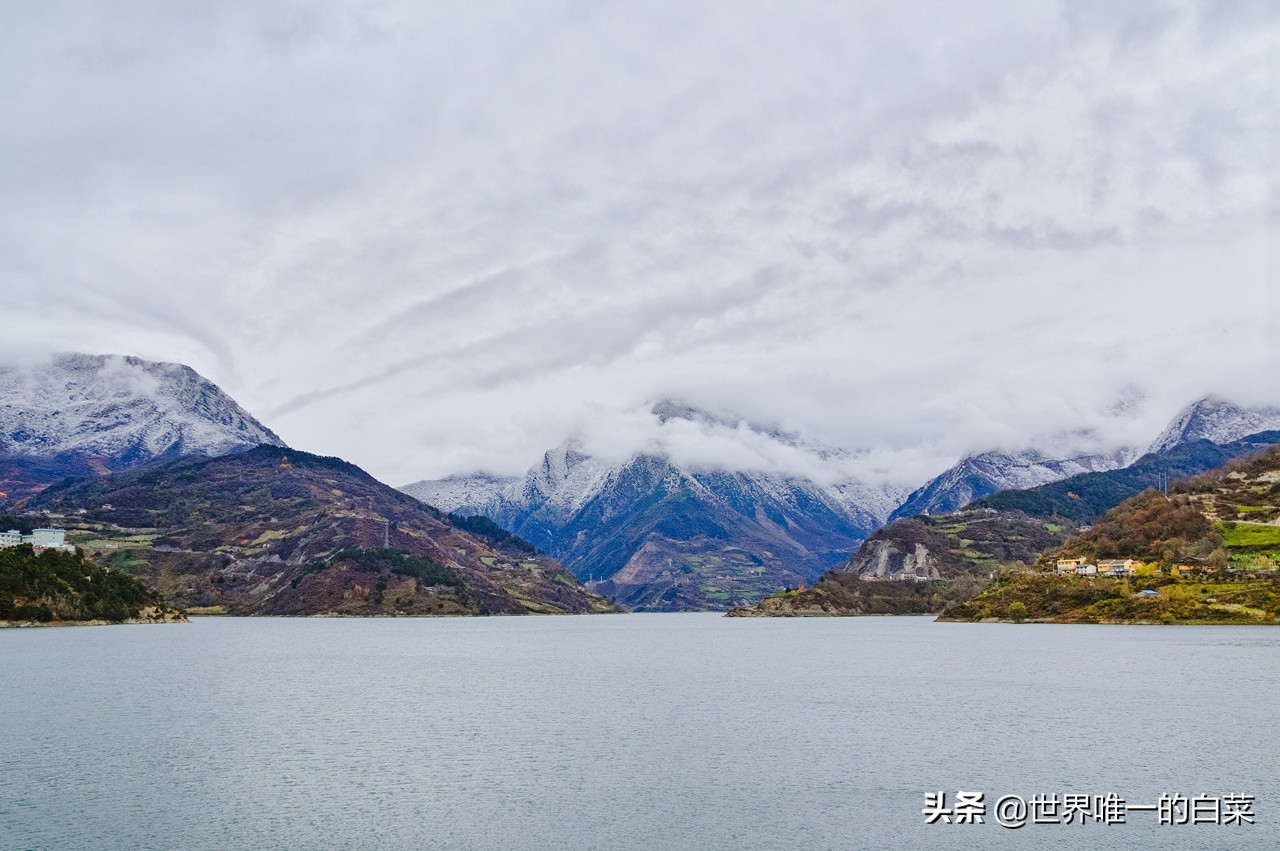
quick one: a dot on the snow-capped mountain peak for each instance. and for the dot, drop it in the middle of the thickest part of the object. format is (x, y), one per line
(709, 496)
(1216, 420)
(119, 410)
(565, 480)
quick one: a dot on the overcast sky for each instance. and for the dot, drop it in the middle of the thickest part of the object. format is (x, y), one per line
(435, 237)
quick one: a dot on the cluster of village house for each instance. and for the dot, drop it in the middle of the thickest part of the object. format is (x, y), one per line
(41, 539)
(1113, 567)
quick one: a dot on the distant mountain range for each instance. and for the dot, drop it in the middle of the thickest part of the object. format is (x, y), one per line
(922, 564)
(85, 415)
(1086, 497)
(661, 536)
(651, 530)
(1210, 419)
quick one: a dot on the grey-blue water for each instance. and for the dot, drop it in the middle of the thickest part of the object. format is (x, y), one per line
(622, 732)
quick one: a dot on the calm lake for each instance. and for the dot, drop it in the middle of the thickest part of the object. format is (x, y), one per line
(623, 732)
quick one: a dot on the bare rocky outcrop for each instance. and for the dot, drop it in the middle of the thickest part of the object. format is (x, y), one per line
(889, 559)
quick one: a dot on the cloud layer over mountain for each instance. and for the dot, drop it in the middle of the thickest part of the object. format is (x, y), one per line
(438, 237)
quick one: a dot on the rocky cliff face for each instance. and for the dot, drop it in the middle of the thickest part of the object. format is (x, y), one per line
(943, 546)
(886, 559)
(80, 415)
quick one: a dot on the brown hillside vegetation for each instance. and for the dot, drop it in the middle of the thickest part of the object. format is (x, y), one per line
(1045, 598)
(1227, 517)
(282, 532)
(1149, 527)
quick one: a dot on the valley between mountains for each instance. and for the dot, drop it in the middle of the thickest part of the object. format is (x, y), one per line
(158, 475)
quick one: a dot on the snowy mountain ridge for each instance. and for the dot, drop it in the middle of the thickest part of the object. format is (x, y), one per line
(567, 477)
(991, 472)
(1217, 421)
(664, 534)
(119, 410)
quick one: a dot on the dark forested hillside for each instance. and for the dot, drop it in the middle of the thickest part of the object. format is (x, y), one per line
(60, 587)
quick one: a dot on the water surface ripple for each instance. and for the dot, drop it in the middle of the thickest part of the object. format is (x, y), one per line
(621, 732)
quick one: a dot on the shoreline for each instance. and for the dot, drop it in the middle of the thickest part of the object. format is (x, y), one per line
(54, 624)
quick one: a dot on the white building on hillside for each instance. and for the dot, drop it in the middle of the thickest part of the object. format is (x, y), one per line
(41, 539)
(48, 537)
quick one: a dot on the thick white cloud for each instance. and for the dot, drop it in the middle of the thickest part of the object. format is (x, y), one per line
(435, 237)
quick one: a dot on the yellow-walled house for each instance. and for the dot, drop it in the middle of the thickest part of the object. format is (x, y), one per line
(1119, 566)
(1068, 566)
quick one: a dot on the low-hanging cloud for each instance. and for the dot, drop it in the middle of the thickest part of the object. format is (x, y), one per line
(439, 238)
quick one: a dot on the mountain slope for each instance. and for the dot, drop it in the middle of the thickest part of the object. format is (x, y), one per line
(666, 539)
(82, 415)
(1229, 516)
(282, 532)
(992, 472)
(660, 535)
